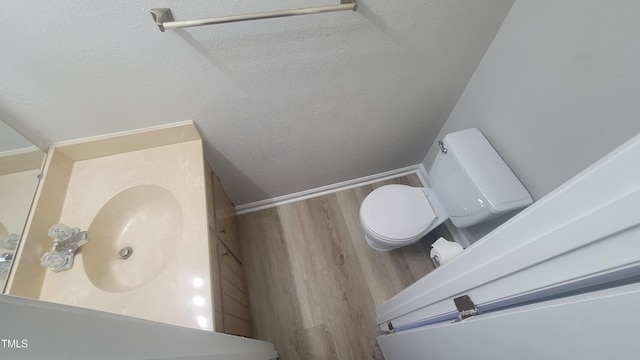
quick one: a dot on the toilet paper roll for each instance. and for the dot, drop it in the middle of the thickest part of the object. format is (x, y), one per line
(444, 250)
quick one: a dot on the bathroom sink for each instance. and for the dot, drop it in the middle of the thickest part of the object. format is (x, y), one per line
(133, 238)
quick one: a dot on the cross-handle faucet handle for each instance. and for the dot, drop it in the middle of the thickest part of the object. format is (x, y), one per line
(54, 260)
(61, 232)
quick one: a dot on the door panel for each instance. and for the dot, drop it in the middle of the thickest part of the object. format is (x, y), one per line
(568, 328)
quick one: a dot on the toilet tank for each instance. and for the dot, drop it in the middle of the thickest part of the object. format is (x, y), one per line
(472, 181)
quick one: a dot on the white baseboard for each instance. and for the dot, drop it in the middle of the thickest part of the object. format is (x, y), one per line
(328, 189)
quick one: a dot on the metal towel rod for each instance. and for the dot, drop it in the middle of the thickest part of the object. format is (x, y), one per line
(164, 18)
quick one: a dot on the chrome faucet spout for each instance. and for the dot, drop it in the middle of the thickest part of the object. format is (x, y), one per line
(78, 239)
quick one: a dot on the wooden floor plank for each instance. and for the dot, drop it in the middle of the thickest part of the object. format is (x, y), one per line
(313, 282)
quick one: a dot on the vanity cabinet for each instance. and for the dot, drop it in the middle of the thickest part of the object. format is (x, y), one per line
(229, 291)
(235, 303)
(226, 222)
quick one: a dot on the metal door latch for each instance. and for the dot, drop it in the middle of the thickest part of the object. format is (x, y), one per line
(466, 307)
(390, 326)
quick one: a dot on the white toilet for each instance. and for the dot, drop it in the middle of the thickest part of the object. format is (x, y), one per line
(470, 183)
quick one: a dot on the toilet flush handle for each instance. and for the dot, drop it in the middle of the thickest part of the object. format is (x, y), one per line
(442, 148)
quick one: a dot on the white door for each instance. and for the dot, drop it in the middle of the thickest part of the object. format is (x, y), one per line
(583, 236)
(599, 325)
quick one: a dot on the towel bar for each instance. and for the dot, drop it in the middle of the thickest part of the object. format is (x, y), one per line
(164, 18)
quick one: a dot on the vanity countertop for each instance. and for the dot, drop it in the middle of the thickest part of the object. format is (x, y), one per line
(180, 292)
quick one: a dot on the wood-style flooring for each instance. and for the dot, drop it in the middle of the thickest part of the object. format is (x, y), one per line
(313, 281)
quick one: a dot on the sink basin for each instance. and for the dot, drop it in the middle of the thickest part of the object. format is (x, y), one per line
(146, 220)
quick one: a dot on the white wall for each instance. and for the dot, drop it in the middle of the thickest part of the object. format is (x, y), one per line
(53, 331)
(11, 140)
(557, 89)
(284, 105)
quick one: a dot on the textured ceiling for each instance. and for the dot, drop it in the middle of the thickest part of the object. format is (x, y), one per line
(284, 105)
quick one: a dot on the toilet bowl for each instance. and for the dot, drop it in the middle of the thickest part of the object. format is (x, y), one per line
(396, 215)
(470, 184)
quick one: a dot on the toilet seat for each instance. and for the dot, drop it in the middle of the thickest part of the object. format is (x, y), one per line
(397, 213)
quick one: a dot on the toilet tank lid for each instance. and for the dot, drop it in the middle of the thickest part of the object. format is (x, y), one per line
(486, 170)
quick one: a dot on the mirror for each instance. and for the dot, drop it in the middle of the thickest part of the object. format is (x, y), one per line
(20, 166)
